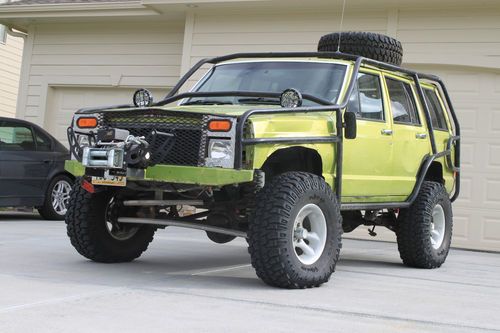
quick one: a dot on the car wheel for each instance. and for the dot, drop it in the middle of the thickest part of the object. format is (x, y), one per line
(94, 232)
(56, 200)
(424, 230)
(295, 233)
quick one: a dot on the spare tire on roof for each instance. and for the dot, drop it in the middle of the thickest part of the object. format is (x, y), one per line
(366, 44)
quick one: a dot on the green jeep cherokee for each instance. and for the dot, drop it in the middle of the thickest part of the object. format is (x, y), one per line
(288, 150)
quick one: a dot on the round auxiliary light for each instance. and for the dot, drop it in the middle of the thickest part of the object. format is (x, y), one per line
(291, 98)
(143, 98)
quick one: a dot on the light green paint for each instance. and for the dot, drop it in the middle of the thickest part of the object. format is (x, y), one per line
(181, 174)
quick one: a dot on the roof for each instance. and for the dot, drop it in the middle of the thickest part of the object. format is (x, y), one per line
(55, 2)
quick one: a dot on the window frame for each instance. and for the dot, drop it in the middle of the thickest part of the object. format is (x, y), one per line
(416, 101)
(382, 96)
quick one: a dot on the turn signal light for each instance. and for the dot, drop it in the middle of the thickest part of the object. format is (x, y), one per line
(219, 125)
(87, 122)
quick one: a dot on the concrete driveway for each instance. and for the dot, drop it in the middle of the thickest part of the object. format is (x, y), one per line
(186, 283)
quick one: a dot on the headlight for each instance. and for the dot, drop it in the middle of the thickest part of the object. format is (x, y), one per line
(220, 149)
(83, 140)
(220, 153)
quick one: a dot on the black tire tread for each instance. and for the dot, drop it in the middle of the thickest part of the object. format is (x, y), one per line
(80, 229)
(412, 232)
(267, 229)
(367, 44)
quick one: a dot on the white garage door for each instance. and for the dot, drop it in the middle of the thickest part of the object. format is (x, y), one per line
(64, 101)
(476, 94)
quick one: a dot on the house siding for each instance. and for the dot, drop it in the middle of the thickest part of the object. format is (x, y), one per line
(10, 67)
(99, 54)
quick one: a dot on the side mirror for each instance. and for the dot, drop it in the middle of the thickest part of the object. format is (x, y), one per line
(350, 125)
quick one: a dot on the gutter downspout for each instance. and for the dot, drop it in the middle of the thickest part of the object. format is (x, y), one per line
(13, 33)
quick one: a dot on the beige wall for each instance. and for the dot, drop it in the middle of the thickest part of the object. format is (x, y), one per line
(10, 67)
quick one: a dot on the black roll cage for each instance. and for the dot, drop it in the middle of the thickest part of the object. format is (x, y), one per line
(330, 107)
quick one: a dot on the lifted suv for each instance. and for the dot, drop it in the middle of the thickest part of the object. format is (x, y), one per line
(288, 150)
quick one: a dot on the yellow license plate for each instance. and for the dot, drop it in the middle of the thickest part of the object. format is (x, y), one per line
(110, 180)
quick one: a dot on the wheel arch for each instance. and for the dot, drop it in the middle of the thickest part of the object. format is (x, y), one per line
(435, 172)
(296, 158)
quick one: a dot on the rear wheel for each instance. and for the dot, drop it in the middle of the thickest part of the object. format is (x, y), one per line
(295, 233)
(95, 233)
(424, 230)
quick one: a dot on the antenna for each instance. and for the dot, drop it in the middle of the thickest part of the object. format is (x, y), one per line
(341, 23)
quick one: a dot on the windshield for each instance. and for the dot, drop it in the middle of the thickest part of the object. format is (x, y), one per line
(323, 80)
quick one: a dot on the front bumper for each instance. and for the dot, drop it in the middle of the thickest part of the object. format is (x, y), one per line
(177, 174)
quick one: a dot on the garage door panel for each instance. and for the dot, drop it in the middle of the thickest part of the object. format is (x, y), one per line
(475, 94)
(65, 101)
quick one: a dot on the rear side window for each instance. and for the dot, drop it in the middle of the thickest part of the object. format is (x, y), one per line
(43, 142)
(403, 105)
(366, 99)
(437, 113)
(14, 137)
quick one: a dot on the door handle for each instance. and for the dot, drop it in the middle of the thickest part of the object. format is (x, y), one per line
(421, 135)
(386, 132)
(47, 161)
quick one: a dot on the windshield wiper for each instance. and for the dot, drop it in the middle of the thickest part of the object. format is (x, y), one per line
(206, 102)
(260, 100)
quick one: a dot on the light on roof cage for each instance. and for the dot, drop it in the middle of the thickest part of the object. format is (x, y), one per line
(143, 98)
(291, 98)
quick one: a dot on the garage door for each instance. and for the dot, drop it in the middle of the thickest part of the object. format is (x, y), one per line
(475, 94)
(65, 101)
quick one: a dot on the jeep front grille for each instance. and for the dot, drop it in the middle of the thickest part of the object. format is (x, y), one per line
(189, 130)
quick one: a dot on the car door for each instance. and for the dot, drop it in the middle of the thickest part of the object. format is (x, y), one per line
(410, 136)
(23, 171)
(367, 159)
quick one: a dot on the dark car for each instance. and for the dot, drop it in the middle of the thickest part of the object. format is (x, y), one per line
(32, 169)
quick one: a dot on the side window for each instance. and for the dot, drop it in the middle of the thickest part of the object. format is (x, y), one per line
(14, 137)
(366, 99)
(403, 105)
(437, 113)
(43, 142)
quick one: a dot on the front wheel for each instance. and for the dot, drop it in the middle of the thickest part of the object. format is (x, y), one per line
(424, 230)
(295, 233)
(94, 231)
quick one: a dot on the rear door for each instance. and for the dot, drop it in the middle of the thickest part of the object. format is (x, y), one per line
(23, 171)
(410, 136)
(368, 158)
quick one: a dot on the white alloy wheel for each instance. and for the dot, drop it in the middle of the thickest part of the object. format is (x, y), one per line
(438, 226)
(309, 234)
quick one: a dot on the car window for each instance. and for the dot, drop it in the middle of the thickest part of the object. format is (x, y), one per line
(43, 142)
(14, 137)
(435, 109)
(366, 99)
(403, 105)
(323, 80)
